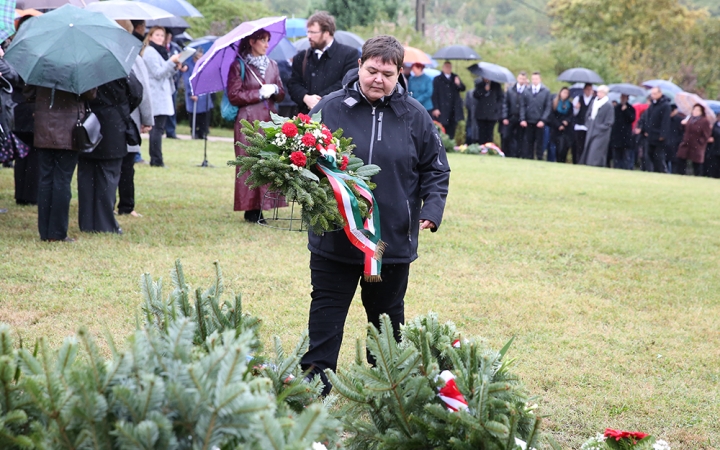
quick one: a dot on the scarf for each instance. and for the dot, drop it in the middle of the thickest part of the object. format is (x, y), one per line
(596, 106)
(563, 106)
(160, 49)
(260, 62)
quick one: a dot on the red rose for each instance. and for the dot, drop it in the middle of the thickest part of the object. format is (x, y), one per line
(298, 158)
(327, 135)
(304, 118)
(344, 163)
(308, 140)
(289, 129)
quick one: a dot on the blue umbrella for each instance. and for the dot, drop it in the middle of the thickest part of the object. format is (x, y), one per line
(285, 50)
(668, 87)
(180, 8)
(714, 105)
(204, 43)
(296, 27)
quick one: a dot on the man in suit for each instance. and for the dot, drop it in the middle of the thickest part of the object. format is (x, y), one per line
(513, 112)
(320, 69)
(447, 104)
(656, 129)
(537, 112)
(581, 106)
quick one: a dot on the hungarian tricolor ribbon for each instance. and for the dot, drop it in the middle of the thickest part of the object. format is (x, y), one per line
(450, 394)
(363, 233)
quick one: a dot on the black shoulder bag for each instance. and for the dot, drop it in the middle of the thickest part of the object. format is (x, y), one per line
(86, 134)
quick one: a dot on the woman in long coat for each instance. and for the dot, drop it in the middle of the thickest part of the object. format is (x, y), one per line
(599, 121)
(697, 135)
(254, 88)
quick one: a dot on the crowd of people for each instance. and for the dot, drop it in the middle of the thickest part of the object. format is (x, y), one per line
(591, 129)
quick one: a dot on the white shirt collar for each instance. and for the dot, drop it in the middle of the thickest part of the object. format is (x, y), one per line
(320, 52)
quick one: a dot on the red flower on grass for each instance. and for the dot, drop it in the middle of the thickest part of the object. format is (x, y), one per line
(308, 140)
(289, 129)
(304, 118)
(618, 435)
(344, 163)
(298, 158)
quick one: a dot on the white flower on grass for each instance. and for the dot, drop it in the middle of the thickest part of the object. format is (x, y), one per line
(661, 445)
(595, 443)
(318, 446)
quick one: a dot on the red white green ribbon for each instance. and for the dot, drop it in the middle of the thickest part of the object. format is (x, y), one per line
(362, 233)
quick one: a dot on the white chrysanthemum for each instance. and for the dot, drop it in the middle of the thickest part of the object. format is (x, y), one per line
(317, 133)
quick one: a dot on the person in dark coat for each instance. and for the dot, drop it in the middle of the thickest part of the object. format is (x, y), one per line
(320, 69)
(287, 107)
(538, 104)
(411, 190)
(674, 136)
(447, 104)
(488, 108)
(99, 170)
(712, 156)
(472, 133)
(599, 122)
(56, 113)
(581, 105)
(254, 93)
(513, 113)
(656, 128)
(621, 138)
(560, 125)
(698, 132)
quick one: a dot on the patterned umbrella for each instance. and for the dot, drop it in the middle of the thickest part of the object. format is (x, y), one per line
(686, 101)
(7, 18)
(211, 71)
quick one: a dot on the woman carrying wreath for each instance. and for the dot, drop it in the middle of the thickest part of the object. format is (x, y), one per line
(254, 86)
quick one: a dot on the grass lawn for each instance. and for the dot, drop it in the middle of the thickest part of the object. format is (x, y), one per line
(609, 279)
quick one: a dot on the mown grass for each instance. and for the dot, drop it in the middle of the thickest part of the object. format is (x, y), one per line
(609, 279)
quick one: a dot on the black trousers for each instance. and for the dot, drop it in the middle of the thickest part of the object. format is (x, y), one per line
(562, 143)
(27, 173)
(56, 169)
(578, 145)
(513, 139)
(657, 154)
(97, 182)
(680, 167)
(533, 142)
(126, 185)
(156, 135)
(334, 285)
(486, 131)
(712, 166)
(450, 128)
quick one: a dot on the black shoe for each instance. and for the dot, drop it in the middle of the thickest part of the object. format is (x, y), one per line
(253, 215)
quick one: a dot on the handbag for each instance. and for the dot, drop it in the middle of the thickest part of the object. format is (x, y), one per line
(86, 134)
(228, 111)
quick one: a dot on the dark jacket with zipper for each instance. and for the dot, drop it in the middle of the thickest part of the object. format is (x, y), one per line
(657, 121)
(397, 134)
(112, 108)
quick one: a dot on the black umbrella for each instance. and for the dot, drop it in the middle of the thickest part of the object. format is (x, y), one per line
(580, 75)
(628, 89)
(175, 25)
(456, 52)
(492, 72)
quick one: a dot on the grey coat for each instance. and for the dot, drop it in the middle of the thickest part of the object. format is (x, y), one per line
(143, 114)
(162, 85)
(597, 140)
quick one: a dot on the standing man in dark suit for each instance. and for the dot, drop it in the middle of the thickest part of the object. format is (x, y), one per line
(447, 104)
(513, 112)
(538, 103)
(656, 128)
(320, 69)
(489, 99)
(581, 105)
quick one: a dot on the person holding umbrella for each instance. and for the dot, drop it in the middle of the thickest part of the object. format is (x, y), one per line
(621, 138)
(488, 97)
(656, 128)
(199, 105)
(447, 104)
(254, 86)
(599, 121)
(161, 68)
(581, 106)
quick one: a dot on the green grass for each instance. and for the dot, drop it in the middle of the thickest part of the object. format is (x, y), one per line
(609, 279)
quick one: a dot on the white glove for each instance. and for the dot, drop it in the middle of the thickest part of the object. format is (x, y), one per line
(267, 90)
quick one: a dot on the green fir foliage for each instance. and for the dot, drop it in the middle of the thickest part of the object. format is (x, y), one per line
(394, 405)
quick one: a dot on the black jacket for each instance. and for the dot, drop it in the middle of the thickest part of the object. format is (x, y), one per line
(320, 77)
(657, 121)
(513, 107)
(112, 108)
(558, 119)
(622, 132)
(398, 135)
(488, 104)
(677, 131)
(714, 148)
(538, 106)
(446, 98)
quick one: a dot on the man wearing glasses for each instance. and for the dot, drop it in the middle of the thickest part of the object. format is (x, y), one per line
(320, 69)
(394, 131)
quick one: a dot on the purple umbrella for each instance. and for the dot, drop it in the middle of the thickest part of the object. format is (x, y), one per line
(211, 71)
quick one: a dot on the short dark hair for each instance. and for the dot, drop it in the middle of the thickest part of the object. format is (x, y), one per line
(536, 73)
(324, 20)
(137, 23)
(245, 43)
(385, 47)
(523, 73)
(702, 108)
